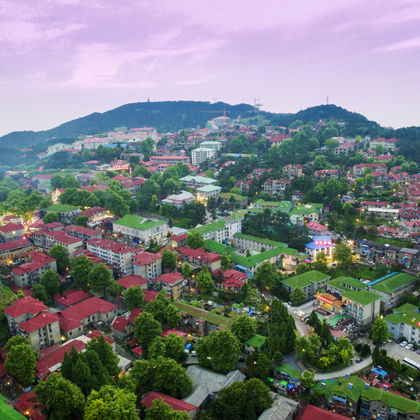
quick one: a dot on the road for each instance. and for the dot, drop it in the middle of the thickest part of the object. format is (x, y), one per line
(355, 367)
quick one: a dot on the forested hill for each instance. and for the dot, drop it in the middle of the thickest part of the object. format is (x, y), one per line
(164, 116)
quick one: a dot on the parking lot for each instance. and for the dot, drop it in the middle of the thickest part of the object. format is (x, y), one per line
(395, 351)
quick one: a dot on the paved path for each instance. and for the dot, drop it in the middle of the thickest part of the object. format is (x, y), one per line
(395, 351)
(355, 367)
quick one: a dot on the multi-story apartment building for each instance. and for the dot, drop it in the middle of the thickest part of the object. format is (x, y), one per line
(216, 145)
(405, 322)
(47, 239)
(207, 192)
(67, 212)
(292, 171)
(83, 233)
(172, 160)
(196, 181)
(310, 282)
(114, 253)
(29, 273)
(147, 265)
(275, 186)
(30, 318)
(172, 283)
(201, 154)
(14, 251)
(140, 229)
(199, 258)
(221, 230)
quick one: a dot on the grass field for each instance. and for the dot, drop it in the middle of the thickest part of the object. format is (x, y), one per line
(203, 314)
(7, 412)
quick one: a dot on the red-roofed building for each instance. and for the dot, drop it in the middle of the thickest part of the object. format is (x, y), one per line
(323, 174)
(29, 273)
(83, 233)
(315, 413)
(96, 334)
(149, 295)
(91, 256)
(200, 258)
(233, 280)
(47, 239)
(133, 184)
(137, 351)
(51, 226)
(116, 254)
(70, 298)
(156, 160)
(174, 403)
(29, 317)
(27, 404)
(51, 362)
(13, 251)
(275, 186)
(147, 265)
(178, 240)
(172, 283)
(178, 333)
(132, 281)
(316, 229)
(292, 171)
(86, 313)
(387, 144)
(95, 215)
(11, 232)
(279, 138)
(120, 327)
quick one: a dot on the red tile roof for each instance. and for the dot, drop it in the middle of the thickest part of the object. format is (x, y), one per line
(134, 314)
(10, 227)
(169, 278)
(149, 295)
(27, 402)
(315, 413)
(119, 323)
(27, 268)
(137, 350)
(199, 254)
(54, 359)
(81, 230)
(167, 331)
(146, 258)
(40, 257)
(177, 405)
(87, 308)
(39, 321)
(132, 281)
(20, 243)
(96, 334)
(26, 305)
(72, 296)
(92, 211)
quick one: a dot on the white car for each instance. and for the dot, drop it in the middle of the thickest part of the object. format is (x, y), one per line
(409, 346)
(193, 353)
(403, 344)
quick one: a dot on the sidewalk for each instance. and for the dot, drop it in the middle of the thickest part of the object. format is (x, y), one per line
(349, 369)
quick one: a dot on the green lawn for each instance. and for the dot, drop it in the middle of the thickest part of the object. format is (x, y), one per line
(203, 314)
(7, 412)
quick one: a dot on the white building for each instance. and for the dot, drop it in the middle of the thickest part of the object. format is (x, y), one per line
(405, 322)
(221, 230)
(201, 154)
(141, 229)
(216, 145)
(178, 200)
(207, 192)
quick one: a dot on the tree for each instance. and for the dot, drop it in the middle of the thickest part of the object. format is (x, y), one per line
(160, 410)
(169, 259)
(205, 281)
(174, 348)
(171, 378)
(62, 258)
(297, 296)
(141, 375)
(342, 255)
(380, 331)
(39, 292)
(218, 351)
(195, 239)
(258, 365)
(186, 270)
(320, 263)
(226, 261)
(80, 268)
(51, 281)
(63, 399)
(172, 316)
(266, 275)
(146, 328)
(314, 322)
(100, 278)
(133, 297)
(15, 341)
(51, 217)
(81, 220)
(307, 379)
(111, 403)
(244, 327)
(157, 348)
(106, 355)
(21, 362)
(147, 148)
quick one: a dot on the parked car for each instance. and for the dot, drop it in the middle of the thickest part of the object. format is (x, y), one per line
(193, 353)
(409, 346)
(403, 344)
(358, 360)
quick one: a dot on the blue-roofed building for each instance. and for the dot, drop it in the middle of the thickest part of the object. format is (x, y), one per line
(320, 244)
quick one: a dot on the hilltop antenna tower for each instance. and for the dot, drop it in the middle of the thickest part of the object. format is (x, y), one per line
(327, 99)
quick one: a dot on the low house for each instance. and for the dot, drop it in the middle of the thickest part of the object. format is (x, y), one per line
(255, 343)
(66, 212)
(179, 200)
(207, 384)
(70, 298)
(200, 258)
(83, 233)
(207, 192)
(132, 281)
(233, 280)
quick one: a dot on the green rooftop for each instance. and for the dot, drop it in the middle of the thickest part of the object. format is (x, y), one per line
(197, 179)
(228, 196)
(303, 209)
(392, 283)
(288, 370)
(346, 283)
(283, 206)
(253, 260)
(256, 341)
(61, 208)
(218, 225)
(407, 314)
(218, 247)
(136, 222)
(358, 390)
(363, 297)
(209, 188)
(261, 240)
(305, 279)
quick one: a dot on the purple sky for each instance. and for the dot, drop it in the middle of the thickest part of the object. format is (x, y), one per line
(62, 59)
